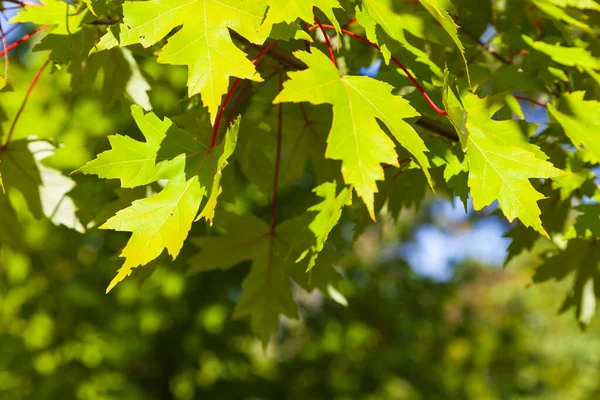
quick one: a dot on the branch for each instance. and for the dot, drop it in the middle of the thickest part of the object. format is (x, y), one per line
(277, 54)
(485, 46)
(24, 38)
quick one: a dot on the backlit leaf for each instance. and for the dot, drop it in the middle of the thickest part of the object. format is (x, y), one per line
(355, 137)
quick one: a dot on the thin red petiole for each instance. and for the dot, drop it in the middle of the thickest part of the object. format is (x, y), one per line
(22, 39)
(398, 63)
(36, 78)
(326, 36)
(213, 140)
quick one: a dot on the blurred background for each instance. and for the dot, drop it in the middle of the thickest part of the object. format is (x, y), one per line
(432, 311)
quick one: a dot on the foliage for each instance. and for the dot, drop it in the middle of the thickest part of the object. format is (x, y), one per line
(266, 139)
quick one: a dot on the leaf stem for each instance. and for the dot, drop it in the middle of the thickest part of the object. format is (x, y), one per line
(398, 63)
(485, 46)
(213, 140)
(327, 41)
(22, 107)
(277, 160)
(537, 103)
(24, 38)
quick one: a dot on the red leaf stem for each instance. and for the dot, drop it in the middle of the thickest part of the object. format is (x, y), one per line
(395, 61)
(326, 36)
(230, 93)
(22, 106)
(24, 38)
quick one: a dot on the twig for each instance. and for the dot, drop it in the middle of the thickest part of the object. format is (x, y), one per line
(213, 140)
(485, 46)
(295, 64)
(22, 107)
(327, 41)
(399, 64)
(24, 38)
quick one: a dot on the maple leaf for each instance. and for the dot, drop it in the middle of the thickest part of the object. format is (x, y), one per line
(381, 12)
(446, 21)
(290, 10)
(203, 43)
(569, 56)
(163, 220)
(329, 213)
(355, 137)
(580, 119)
(63, 16)
(587, 224)
(266, 293)
(10, 229)
(45, 189)
(581, 258)
(501, 161)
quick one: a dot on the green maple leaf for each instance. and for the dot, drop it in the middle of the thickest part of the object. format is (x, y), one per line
(522, 238)
(163, 220)
(53, 12)
(45, 189)
(587, 225)
(568, 56)
(328, 215)
(446, 21)
(10, 228)
(558, 13)
(290, 10)
(580, 119)
(266, 293)
(381, 12)
(581, 258)
(203, 43)
(501, 161)
(355, 137)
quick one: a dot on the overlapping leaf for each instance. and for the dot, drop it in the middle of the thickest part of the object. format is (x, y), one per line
(61, 15)
(446, 21)
(203, 43)
(290, 10)
(380, 13)
(568, 56)
(580, 257)
(45, 189)
(266, 293)
(501, 161)
(355, 137)
(193, 172)
(328, 215)
(580, 119)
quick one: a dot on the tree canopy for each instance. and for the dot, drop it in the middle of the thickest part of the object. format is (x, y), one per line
(271, 134)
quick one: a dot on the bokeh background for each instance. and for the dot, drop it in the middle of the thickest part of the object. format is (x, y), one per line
(432, 311)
